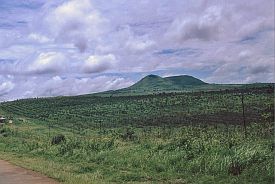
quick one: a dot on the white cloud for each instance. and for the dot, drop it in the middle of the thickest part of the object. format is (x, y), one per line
(139, 45)
(206, 26)
(76, 23)
(245, 54)
(132, 42)
(38, 38)
(6, 87)
(49, 62)
(57, 85)
(99, 63)
(231, 21)
(244, 67)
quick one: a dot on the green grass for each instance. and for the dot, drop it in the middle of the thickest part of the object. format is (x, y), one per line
(161, 138)
(176, 155)
(174, 109)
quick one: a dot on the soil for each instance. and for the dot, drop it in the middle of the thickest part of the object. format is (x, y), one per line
(11, 174)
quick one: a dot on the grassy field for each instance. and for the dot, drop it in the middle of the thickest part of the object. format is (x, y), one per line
(161, 138)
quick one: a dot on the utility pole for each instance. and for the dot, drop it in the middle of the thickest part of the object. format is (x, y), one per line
(244, 123)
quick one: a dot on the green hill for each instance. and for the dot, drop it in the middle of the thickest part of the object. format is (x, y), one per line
(157, 83)
(183, 83)
(152, 82)
(185, 80)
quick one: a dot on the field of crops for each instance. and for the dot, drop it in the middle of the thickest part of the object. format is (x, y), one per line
(148, 110)
(202, 137)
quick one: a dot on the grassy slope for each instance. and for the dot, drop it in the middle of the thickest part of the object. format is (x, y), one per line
(185, 80)
(159, 154)
(152, 82)
(88, 110)
(178, 155)
(187, 88)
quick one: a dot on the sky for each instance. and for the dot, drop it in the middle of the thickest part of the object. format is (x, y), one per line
(72, 47)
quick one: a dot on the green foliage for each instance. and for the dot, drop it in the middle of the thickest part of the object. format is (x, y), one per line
(161, 138)
(129, 134)
(5, 131)
(157, 155)
(173, 109)
(58, 139)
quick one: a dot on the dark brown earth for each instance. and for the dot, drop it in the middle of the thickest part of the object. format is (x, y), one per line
(11, 174)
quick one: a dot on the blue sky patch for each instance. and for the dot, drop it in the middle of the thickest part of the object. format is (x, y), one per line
(182, 52)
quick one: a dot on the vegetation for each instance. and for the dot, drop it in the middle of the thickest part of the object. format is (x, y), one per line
(153, 84)
(199, 137)
(176, 155)
(156, 83)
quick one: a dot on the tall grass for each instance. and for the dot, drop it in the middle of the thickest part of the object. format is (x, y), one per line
(188, 154)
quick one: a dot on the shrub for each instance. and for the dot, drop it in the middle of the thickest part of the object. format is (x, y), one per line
(58, 139)
(129, 135)
(235, 169)
(5, 132)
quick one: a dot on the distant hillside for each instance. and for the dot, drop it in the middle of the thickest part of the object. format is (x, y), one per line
(152, 82)
(183, 83)
(157, 83)
(185, 80)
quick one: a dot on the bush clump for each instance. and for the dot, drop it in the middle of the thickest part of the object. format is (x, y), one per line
(129, 135)
(58, 139)
(235, 169)
(5, 132)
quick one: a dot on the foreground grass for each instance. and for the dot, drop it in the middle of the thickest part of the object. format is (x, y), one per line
(185, 154)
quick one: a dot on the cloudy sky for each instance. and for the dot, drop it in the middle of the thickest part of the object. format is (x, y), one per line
(59, 47)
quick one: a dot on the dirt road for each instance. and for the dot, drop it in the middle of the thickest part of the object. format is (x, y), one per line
(11, 174)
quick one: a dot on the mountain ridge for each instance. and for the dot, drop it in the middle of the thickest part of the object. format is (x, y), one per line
(155, 82)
